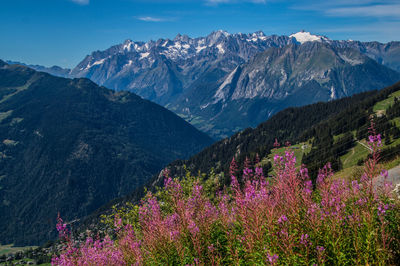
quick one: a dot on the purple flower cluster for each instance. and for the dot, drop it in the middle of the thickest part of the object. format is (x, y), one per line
(279, 220)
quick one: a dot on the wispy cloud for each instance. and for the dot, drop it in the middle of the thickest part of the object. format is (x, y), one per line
(216, 2)
(382, 31)
(365, 20)
(366, 11)
(354, 8)
(81, 2)
(153, 19)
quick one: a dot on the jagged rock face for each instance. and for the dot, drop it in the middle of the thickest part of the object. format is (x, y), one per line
(293, 75)
(199, 78)
(161, 70)
(387, 54)
(281, 72)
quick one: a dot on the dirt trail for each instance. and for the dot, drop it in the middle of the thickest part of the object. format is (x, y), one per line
(366, 146)
(393, 176)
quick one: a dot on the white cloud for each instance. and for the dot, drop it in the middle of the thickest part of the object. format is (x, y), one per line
(151, 19)
(382, 31)
(374, 19)
(215, 2)
(81, 2)
(365, 11)
(354, 8)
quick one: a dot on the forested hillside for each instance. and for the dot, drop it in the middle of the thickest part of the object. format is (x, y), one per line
(70, 146)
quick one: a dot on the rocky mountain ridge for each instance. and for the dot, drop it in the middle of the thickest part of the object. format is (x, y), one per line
(277, 78)
(190, 75)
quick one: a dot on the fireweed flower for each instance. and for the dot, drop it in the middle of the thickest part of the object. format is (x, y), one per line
(245, 216)
(194, 230)
(304, 240)
(259, 172)
(382, 208)
(278, 158)
(304, 172)
(62, 228)
(384, 173)
(247, 173)
(174, 235)
(308, 187)
(283, 233)
(355, 186)
(282, 219)
(372, 139)
(273, 259)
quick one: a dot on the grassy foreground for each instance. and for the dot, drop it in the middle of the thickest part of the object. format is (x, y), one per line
(284, 220)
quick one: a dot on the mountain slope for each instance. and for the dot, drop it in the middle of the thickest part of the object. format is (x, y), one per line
(387, 54)
(54, 70)
(158, 70)
(292, 124)
(190, 75)
(71, 146)
(293, 75)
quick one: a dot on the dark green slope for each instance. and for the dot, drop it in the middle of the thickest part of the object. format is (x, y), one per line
(288, 125)
(71, 146)
(292, 124)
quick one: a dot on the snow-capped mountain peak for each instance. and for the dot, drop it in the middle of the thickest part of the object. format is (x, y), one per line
(127, 45)
(223, 32)
(305, 36)
(256, 36)
(181, 38)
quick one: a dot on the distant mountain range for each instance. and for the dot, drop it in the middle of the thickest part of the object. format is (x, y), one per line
(278, 78)
(70, 146)
(54, 70)
(196, 77)
(296, 124)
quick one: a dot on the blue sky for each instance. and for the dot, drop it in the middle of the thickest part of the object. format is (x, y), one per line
(63, 32)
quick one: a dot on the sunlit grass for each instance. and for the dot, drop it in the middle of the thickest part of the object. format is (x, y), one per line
(384, 105)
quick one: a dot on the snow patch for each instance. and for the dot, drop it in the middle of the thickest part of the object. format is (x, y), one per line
(130, 62)
(255, 37)
(199, 48)
(137, 47)
(127, 46)
(144, 55)
(225, 33)
(304, 36)
(178, 45)
(221, 50)
(99, 62)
